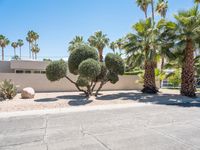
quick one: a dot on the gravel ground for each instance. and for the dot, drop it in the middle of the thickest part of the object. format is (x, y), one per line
(74, 99)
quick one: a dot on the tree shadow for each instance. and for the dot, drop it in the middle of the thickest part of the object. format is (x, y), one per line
(79, 102)
(160, 99)
(46, 100)
(72, 97)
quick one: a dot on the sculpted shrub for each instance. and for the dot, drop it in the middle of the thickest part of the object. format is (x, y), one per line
(83, 61)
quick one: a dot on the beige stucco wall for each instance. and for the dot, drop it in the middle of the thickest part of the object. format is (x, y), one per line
(5, 67)
(40, 83)
(28, 64)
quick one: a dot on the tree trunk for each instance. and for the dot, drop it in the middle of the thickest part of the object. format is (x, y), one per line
(145, 13)
(29, 50)
(152, 10)
(149, 78)
(162, 67)
(100, 55)
(2, 54)
(14, 51)
(20, 52)
(188, 81)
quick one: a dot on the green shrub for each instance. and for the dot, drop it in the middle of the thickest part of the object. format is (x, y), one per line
(89, 68)
(175, 78)
(80, 54)
(7, 90)
(103, 73)
(115, 63)
(113, 77)
(82, 81)
(56, 70)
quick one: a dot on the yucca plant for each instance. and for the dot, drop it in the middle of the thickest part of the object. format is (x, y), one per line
(7, 90)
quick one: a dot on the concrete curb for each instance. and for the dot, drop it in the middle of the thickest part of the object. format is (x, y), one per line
(71, 110)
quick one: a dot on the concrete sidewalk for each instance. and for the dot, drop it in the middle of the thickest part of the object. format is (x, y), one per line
(147, 127)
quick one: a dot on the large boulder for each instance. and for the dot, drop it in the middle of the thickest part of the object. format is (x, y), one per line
(28, 93)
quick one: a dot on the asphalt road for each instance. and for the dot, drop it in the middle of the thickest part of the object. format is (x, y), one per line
(149, 127)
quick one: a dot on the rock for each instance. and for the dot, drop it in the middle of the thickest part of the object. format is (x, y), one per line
(28, 93)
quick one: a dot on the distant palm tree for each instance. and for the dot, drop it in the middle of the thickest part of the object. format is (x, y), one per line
(143, 4)
(188, 35)
(14, 45)
(3, 43)
(20, 44)
(99, 41)
(78, 40)
(162, 7)
(35, 37)
(30, 40)
(35, 49)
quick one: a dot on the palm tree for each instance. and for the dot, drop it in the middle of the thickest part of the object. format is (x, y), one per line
(35, 49)
(162, 7)
(30, 40)
(78, 40)
(141, 45)
(113, 46)
(35, 37)
(143, 4)
(20, 43)
(14, 45)
(99, 41)
(165, 41)
(189, 35)
(3, 43)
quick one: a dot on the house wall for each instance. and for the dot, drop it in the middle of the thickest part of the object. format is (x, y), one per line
(41, 84)
(5, 67)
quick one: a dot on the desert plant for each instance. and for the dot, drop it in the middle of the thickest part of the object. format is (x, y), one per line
(83, 62)
(7, 90)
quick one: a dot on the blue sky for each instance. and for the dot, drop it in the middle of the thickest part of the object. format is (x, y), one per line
(58, 21)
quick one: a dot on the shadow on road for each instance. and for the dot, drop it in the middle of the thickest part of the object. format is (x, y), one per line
(161, 99)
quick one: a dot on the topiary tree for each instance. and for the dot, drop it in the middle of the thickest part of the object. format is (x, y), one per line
(83, 62)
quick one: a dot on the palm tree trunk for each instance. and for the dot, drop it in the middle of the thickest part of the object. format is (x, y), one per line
(29, 50)
(145, 13)
(188, 81)
(2, 54)
(152, 10)
(162, 67)
(14, 52)
(100, 55)
(20, 52)
(149, 78)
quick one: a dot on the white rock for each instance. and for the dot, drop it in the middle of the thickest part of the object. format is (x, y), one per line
(28, 93)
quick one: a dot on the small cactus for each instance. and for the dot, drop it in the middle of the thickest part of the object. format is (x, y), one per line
(7, 90)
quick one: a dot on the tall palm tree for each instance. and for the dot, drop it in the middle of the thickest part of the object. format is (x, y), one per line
(99, 41)
(30, 40)
(161, 8)
(165, 42)
(141, 45)
(35, 37)
(78, 40)
(143, 4)
(20, 43)
(3, 43)
(14, 45)
(189, 35)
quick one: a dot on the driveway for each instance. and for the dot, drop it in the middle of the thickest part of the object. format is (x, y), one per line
(146, 127)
